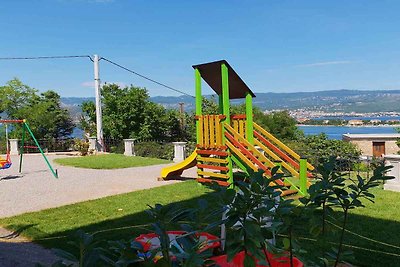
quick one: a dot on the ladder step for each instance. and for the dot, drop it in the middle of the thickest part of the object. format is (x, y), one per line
(206, 180)
(214, 160)
(212, 167)
(213, 174)
(289, 192)
(214, 147)
(212, 152)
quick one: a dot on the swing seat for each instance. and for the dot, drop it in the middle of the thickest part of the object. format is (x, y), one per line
(5, 163)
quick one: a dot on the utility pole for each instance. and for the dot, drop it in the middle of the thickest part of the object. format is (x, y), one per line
(99, 123)
(181, 114)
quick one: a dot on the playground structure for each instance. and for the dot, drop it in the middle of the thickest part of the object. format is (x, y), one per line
(224, 139)
(6, 163)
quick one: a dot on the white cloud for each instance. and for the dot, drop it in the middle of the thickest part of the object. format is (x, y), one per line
(326, 63)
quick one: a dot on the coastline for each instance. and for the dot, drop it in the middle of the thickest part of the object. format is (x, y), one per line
(350, 126)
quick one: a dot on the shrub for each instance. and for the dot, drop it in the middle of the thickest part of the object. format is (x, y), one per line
(82, 146)
(318, 148)
(154, 150)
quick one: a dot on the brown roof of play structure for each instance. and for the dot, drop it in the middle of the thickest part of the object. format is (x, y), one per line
(211, 73)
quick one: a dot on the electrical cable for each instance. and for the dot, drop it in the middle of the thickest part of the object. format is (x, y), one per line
(102, 58)
(144, 77)
(43, 57)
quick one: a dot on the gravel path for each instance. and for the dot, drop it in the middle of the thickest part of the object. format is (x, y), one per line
(35, 189)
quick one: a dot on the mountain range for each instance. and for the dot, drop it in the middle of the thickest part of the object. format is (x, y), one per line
(330, 101)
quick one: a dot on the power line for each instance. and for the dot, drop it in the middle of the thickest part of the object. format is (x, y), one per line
(144, 77)
(105, 59)
(46, 57)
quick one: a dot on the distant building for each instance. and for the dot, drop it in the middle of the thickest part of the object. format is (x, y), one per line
(301, 120)
(375, 121)
(374, 144)
(355, 122)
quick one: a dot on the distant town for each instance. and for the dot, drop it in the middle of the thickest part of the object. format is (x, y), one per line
(313, 117)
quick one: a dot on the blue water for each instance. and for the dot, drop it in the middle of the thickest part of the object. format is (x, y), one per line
(77, 133)
(335, 132)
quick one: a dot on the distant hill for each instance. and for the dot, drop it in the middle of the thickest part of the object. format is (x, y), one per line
(330, 101)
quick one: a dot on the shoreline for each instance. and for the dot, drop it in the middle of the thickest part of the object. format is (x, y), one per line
(352, 126)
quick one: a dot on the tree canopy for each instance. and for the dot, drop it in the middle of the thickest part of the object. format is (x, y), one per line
(44, 113)
(128, 113)
(319, 148)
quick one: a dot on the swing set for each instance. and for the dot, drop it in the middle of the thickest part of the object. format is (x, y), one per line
(6, 163)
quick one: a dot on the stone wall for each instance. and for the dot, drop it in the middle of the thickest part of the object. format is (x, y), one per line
(366, 147)
(391, 148)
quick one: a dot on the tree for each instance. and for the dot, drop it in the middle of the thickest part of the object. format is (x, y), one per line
(128, 113)
(44, 113)
(280, 124)
(16, 95)
(319, 148)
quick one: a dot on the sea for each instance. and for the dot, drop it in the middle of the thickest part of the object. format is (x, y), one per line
(333, 132)
(336, 132)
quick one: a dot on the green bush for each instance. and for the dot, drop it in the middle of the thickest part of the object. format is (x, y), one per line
(155, 150)
(318, 148)
(82, 146)
(118, 148)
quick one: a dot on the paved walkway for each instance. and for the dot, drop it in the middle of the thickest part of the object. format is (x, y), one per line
(35, 189)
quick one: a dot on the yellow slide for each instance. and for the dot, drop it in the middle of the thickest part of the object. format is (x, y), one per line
(177, 169)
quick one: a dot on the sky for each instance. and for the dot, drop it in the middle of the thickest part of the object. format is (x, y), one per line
(274, 45)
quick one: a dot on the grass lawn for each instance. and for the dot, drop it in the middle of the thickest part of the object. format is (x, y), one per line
(109, 161)
(114, 217)
(125, 210)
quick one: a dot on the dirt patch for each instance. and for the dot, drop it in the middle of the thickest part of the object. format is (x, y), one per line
(18, 251)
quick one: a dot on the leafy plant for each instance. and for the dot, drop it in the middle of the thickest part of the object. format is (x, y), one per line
(333, 190)
(87, 253)
(82, 146)
(256, 214)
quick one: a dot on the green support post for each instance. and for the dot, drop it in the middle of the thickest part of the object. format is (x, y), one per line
(21, 150)
(226, 112)
(221, 104)
(225, 93)
(198, 101)
(40, 149)
(249, 118)
(303, 175)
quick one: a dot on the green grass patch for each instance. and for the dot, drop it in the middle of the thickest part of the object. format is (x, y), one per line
(369, 228)
(109, 161)
(117, 217)
(48, 227)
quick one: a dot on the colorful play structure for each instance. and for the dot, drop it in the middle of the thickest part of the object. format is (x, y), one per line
(6, 163)
(225, 140)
